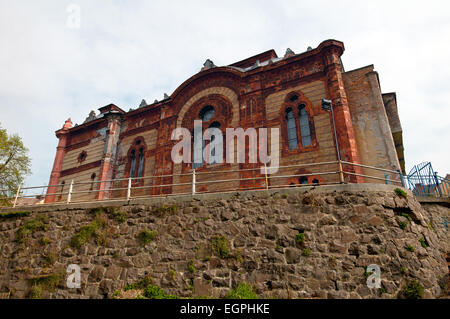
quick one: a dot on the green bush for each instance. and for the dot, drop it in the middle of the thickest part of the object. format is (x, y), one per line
(147, 236)
(191, 267)
(155, 292)
(403, 225)
(400, 192)
(30, 227)
(300, 238)
(406, 215)
(14, 214)
(141, 284)
(410, 248)
(306, 252)
(35, 292)
(162, 210)
(48, 282)
(423, 242)
(403, 270)
(89, 231)
(220, 246)
(414, 290)
(45, 241)
(242, 291)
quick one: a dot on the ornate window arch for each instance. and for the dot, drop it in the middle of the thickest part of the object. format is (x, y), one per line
(135, 167)
(215, 111)
(297, 124)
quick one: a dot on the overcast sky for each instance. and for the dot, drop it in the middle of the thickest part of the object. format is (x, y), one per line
(125, 51)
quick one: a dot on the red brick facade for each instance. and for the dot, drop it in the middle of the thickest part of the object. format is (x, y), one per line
(255, 92)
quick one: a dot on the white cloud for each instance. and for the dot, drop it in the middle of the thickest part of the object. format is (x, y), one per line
(126, 51)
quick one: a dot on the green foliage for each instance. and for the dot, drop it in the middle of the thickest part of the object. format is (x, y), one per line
(383, 290)
(49, 258)
(403, 225)
(400, 192)
(147, 236)
(30, 227)
(141, 284)
(242, 291)
(414, 290)
(410, 248)
(403, 270)
(220, 246)
(162, 210)
(423, 242)
(45, 241)
(191, 267)
(406, 215)
(14, 214)
(14, 165)
(48, 282)
(91, 230)
(430, 227)
(155, 292)
(306, 252)
(300, 239)
(35, 292)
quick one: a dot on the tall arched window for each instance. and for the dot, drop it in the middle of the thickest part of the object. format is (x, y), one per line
(137, 159)
(291, 129)
(93, 176)
(141, 162)
(206, 114)
(133, 163)
(213, 125)
(305, 130)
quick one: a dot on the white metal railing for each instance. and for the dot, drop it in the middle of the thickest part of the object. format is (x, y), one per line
(335, 172)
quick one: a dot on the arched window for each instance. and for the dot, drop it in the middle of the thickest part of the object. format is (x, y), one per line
(305, 130)
(206, 114)
(141, 162)
(133, 163)
(137, 159)
(291, 129)
(213, 125)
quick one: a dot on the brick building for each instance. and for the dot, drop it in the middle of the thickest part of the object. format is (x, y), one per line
(261, 91)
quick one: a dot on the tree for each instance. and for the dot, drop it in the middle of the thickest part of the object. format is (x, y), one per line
(14, 165)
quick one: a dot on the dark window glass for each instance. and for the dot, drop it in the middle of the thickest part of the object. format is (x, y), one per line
(291, 129)
(304, 126)
(207, 113)
(133, 163)
(141, 162)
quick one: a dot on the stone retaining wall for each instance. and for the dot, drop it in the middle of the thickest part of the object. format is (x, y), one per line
(205, 245)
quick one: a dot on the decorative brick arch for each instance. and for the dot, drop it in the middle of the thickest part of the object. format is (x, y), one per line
(223, 114)
(222, 91)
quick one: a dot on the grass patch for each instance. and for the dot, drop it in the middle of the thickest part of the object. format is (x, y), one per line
(403, 270)
(191, 267)
(423, 243)
(242, 291)
(91, 230)
(155, 292)
(306, 252)
(14, 214)
(300, 239)
(403, 225)
(430, 227)
(45, 282)
(45, 241)
(400, 192)
(30, 227)
(414, 290)
(162, 210)
(147, 236)
(50, 258)
(410, 248)
(141, 284)
(406, 215)
(220, 246)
